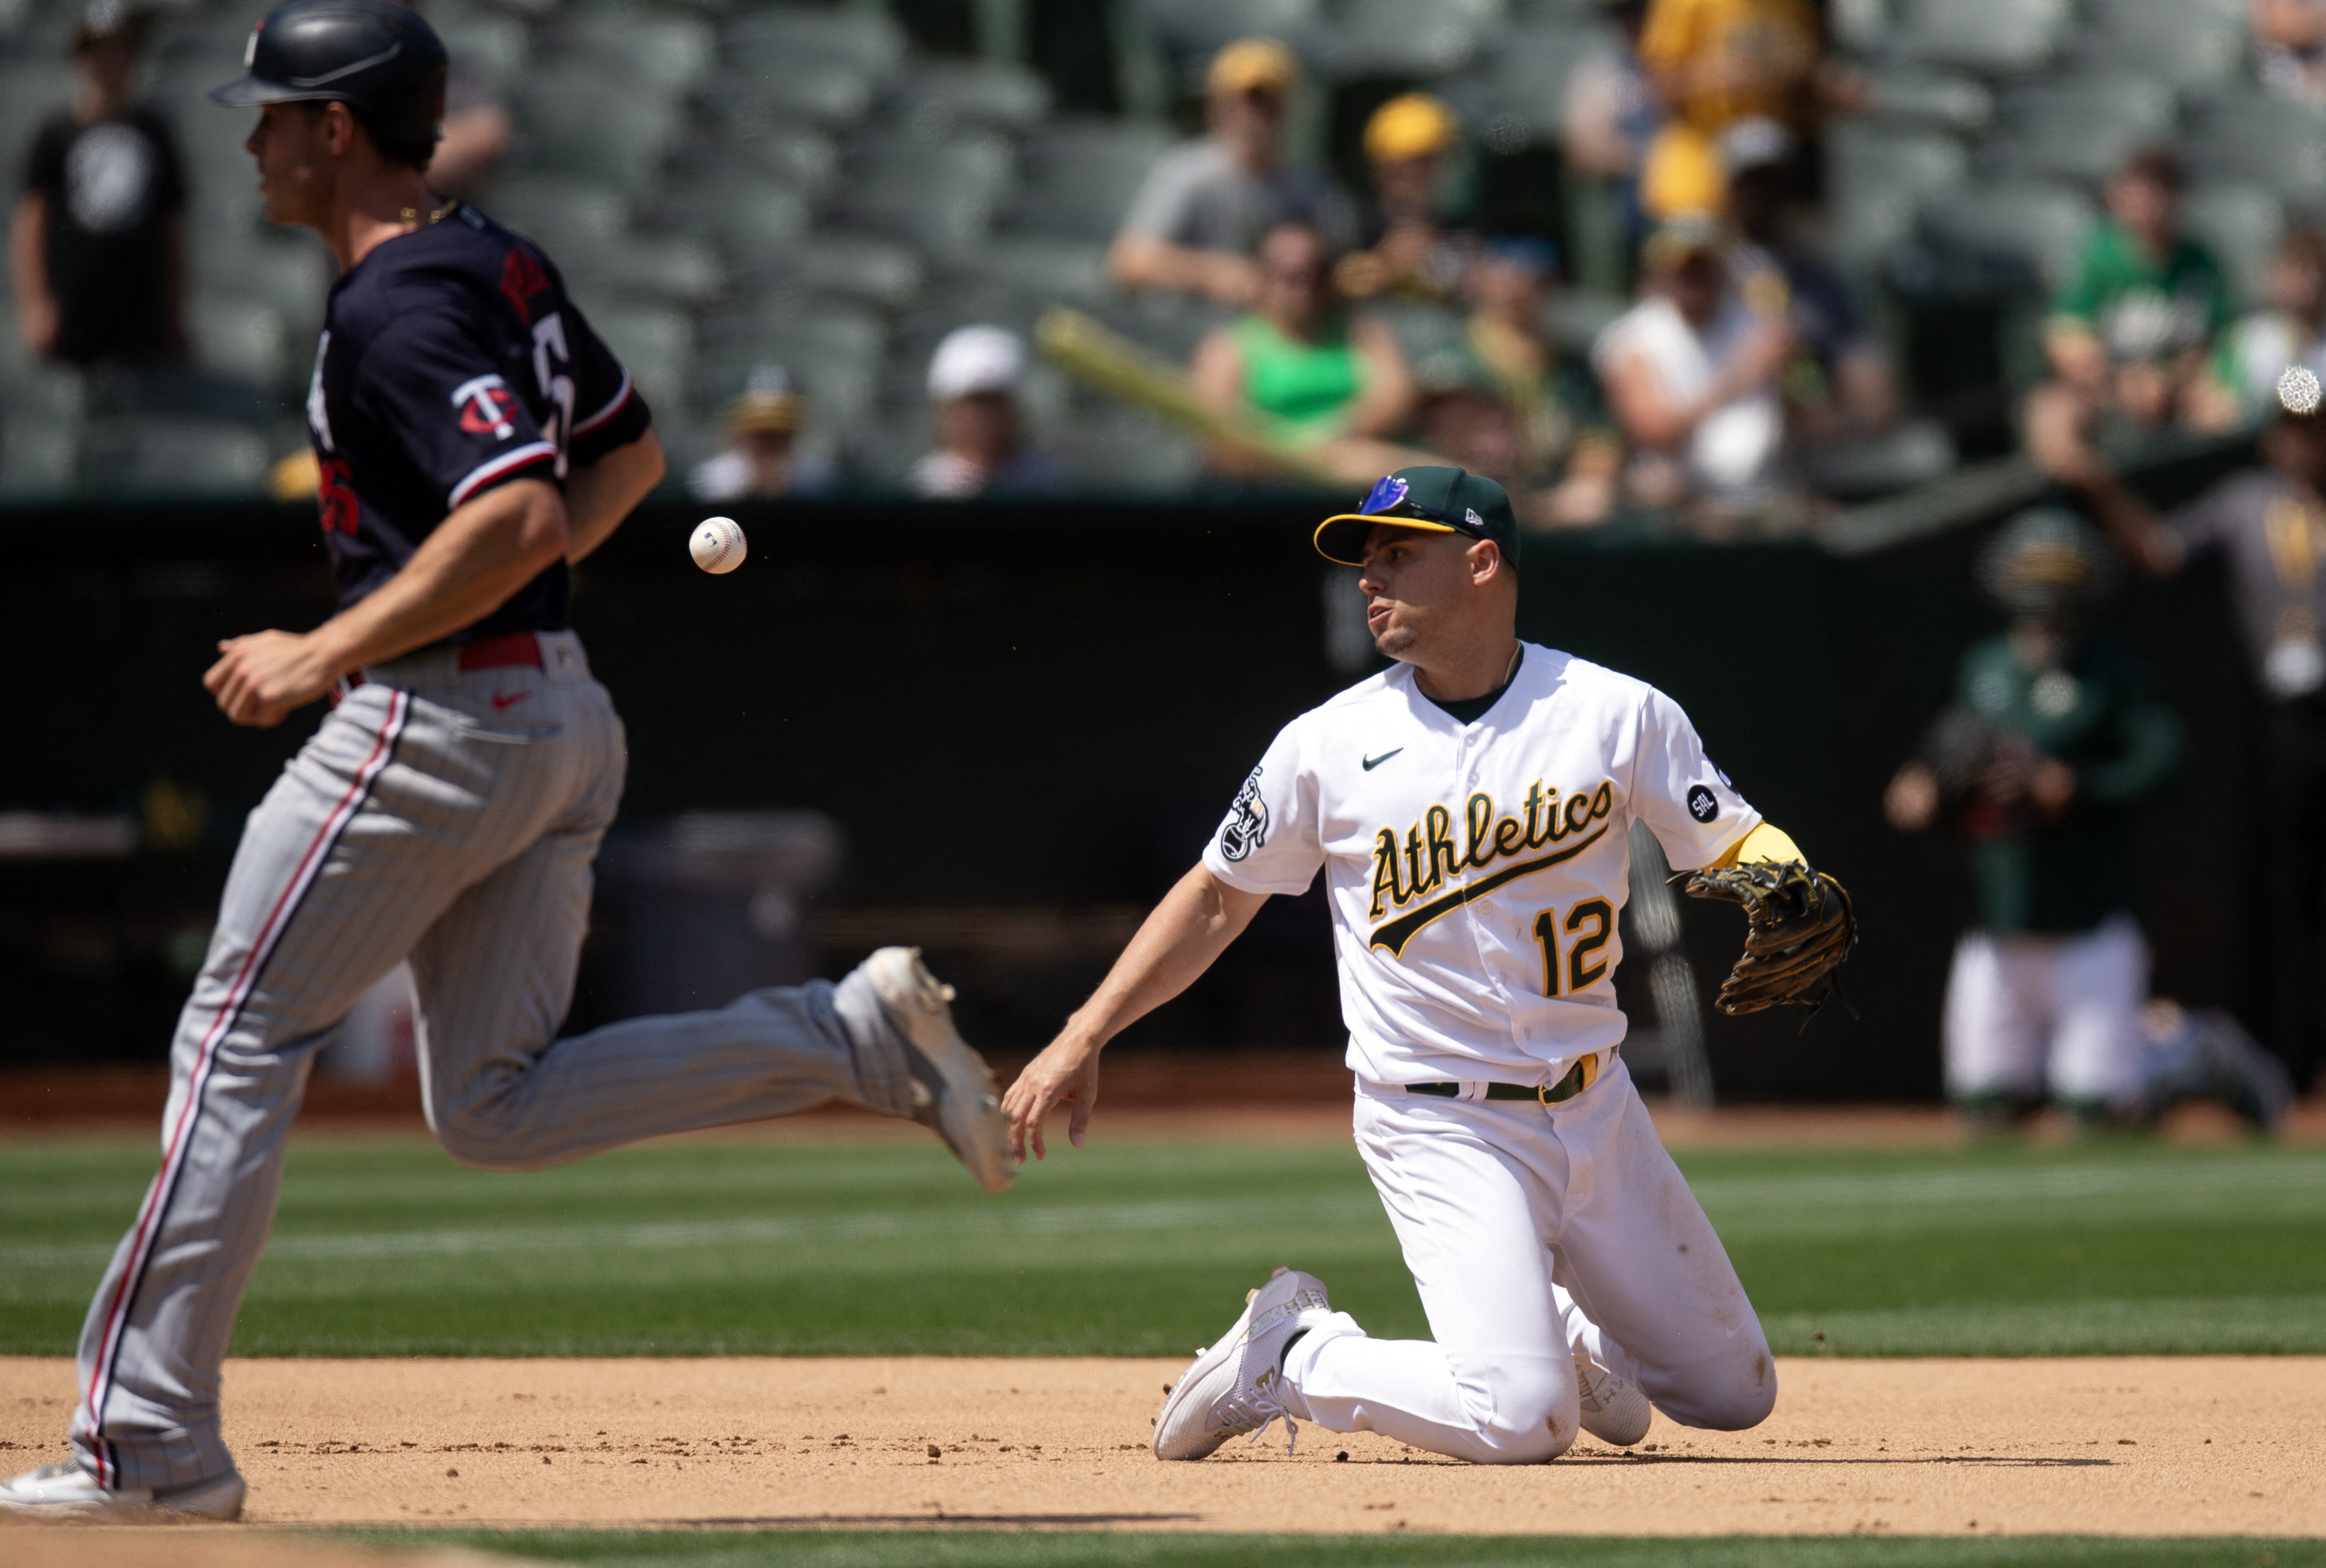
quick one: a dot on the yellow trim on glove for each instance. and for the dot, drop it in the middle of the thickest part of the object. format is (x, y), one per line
(1767, 842)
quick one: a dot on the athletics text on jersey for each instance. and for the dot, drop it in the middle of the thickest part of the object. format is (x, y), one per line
(450, 362)
(1476, 873)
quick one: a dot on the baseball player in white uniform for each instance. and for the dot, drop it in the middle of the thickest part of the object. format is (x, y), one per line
(1470, 809)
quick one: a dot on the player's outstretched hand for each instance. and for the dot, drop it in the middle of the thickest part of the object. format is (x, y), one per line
(262, 679)
(1067, 1070)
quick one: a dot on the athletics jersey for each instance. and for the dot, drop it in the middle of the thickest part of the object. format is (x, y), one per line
(452, 362)
(1475, 872)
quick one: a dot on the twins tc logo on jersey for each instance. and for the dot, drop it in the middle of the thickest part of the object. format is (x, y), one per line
(1426, 858)
(486, 405)
(1246, 828)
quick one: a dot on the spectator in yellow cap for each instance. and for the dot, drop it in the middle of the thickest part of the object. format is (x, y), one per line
(1196, 224)
(1409, 147)
(762, 432)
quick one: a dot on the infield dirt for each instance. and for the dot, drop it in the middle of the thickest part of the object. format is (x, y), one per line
(2188, 1445)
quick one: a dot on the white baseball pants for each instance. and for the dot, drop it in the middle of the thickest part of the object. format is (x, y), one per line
(2031, 1015)
(451, 818)
(1536, 1235)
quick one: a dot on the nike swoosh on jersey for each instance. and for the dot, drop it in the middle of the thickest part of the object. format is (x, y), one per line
(1373, 762)
(1405, 927)
(512, 701)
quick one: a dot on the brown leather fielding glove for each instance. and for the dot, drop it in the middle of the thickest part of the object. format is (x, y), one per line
(1799, 928)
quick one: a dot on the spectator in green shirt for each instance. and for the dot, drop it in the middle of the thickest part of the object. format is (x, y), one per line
(2130, 328)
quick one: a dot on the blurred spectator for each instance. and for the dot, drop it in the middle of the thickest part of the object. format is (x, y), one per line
(1610, 112)
(1841, 382)
(2289, 37)
(762, 432)
(981, 448)
(475, 128)
(1691, 374)
(1564, 457)
(2289, 329)
(2054, 733)
(2130, 327)
(1319, 383)
(1715, 62)
(1198, 220)
(98, 247)
(2270, 525)
(1409, 145)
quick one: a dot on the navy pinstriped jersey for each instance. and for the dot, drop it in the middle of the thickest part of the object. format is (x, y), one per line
(452, 362)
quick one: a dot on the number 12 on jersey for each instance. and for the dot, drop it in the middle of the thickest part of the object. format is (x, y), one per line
(1594, 920)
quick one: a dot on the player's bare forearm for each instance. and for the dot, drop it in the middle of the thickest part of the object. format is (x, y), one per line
(28, 256)
(600, 497)
(476, 558)
(1177, 942)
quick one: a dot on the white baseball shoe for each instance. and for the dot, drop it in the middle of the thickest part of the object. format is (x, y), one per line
(1614, 1409)
(66, 1492)
(954, 1090)
(1233, 1388)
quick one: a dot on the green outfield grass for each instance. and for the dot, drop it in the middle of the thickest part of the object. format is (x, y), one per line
(996, 1549)
(384, 1246)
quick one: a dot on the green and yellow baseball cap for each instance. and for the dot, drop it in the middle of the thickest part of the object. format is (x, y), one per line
(1432, 500)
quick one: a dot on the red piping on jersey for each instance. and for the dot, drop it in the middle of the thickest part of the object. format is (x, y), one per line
(614, 405)
(157, 1199)
(507, 462)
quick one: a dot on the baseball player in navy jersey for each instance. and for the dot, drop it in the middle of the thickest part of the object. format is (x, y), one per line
(1471, 809)
(475, 438)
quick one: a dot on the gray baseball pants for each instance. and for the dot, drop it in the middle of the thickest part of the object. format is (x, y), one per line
(451, 818)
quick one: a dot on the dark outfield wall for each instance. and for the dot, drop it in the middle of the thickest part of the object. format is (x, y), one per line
(1050, 707)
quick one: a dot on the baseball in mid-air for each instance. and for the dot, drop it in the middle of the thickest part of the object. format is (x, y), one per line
(2297, 389)
(717, 544)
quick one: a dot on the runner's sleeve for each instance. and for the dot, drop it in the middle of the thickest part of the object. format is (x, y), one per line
(427, 380)
(1690, 805)
(1268, 841)
(608, 410)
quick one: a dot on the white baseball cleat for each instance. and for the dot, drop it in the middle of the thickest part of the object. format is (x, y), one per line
(66, 1492)
(1233, 1388)
(954, 1090)
(1614, 1409)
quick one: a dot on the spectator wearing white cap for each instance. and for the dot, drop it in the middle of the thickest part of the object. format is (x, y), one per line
(973, 380)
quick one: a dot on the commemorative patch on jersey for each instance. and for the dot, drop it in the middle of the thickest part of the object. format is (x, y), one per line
(1702, 804)
(1426, 858)
(1246, 828)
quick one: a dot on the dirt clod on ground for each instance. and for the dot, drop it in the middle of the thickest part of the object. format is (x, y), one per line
(2193, 1445)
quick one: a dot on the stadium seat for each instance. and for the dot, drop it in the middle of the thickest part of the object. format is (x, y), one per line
(938, 196)
(748, 217)
(2191, 46)
(666, 51)
(561, 213)
(1403, 38)
(2080, 127)
(38, 456)
(2251, 138)
(2002, 37)
(582, 118)
(1078, 178)
(243, 340)
(656, 342)
(2241, 224)
(676, 269)
(1920, 96)
(180, 456)
(2037, 222)
(1200, 26)
(1042, 268)
(1526, 71)
(786, 37)
(290, 274)
(496, 46)
(1877, 175)
(749, 102)
(836, 351)
(942, 98)
(852, 266)
(29, 92)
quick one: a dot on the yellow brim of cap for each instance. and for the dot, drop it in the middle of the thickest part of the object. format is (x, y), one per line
(1351, 541)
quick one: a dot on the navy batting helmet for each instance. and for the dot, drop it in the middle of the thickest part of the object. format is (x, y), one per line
(381, 60)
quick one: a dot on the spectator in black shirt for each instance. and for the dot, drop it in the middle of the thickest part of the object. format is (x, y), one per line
(100, 238)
